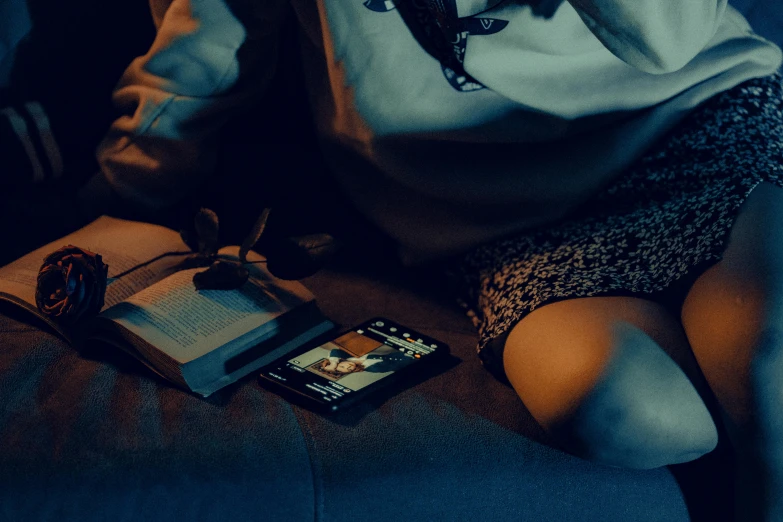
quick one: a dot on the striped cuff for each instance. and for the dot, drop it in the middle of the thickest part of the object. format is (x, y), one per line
(28, 149)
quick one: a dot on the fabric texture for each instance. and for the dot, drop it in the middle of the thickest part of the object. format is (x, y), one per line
(442, 170)
(438, 168)
(89, 440)
(14, 26)
(96, 436)
(663, 222)
(765, 16)
(175, 98)
(28, 145)
(66, 59)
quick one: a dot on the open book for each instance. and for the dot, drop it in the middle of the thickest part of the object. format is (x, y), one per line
(200, 340)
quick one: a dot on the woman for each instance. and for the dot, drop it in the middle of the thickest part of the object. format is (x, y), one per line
(340, 363)
(602, 177)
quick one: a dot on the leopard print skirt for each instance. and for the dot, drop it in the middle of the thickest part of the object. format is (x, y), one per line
(650, 234)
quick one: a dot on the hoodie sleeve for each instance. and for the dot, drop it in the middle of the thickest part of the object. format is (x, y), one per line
(656, 36)
(209, 58)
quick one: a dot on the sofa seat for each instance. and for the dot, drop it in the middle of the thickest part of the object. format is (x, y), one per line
(98, 436)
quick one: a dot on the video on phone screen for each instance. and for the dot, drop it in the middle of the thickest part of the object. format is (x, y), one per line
(359, 358)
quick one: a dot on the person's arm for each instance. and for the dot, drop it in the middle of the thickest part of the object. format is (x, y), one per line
(209, 58)
(656, 36)
(387, 363)
(338, 353)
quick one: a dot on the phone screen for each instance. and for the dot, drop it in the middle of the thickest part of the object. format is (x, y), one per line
(353, 362)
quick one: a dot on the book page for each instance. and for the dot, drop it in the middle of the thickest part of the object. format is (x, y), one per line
(122, 245)
(186, 323)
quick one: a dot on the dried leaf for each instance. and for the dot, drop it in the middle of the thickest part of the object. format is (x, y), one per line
(221, 275)
(190, 238)
(207, 228)
(254, 235)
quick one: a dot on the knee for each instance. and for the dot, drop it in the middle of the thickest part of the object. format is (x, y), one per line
(729, 316)
(639, 411)
(639, 416)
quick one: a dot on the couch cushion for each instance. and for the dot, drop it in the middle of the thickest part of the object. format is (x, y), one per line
(460, 445)
(14, 25)
(765, 16)
(99, 437)
(88, 440)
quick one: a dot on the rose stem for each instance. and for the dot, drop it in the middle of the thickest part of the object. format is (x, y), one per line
(142, 265)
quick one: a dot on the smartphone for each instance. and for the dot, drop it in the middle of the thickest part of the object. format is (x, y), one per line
(352, 365)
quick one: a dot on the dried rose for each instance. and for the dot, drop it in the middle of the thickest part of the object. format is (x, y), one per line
(71, 285)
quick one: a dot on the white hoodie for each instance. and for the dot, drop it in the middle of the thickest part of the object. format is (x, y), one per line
(570, 101)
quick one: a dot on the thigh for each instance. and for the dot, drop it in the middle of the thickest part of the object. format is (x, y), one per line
(736, 300)
(600, 374)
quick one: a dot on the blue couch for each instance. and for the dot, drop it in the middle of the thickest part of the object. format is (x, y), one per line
(97, 437)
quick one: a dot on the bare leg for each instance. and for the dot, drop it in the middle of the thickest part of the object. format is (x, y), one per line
(733, 317)
(592, 371)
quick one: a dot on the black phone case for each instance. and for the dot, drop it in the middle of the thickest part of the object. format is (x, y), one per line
(383, 389)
